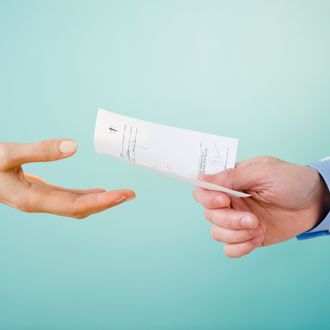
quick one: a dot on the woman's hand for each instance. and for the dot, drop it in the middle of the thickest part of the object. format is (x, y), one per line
(31, 194)
(286, 200)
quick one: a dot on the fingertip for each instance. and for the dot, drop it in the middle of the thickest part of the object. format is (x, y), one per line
(242, 249)
(128, 192)
(119, 196)
(131, 195)
(230, 251)
(214, 233)
(211, 199)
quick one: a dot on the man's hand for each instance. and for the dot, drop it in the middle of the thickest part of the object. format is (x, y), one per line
(286, 200)
(31, 194)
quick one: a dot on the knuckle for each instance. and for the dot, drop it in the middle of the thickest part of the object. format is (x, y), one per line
(235, 236)
(271, 159)
(230, 173)
(234, 223)
(266, 159)
(227, 222)
(45, 150)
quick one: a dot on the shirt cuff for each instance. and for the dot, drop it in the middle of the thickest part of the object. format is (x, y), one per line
(323, 228)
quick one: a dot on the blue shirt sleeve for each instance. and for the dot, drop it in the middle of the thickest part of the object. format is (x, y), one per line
(323, 228)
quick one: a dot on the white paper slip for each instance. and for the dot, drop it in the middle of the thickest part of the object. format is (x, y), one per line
(177, 152)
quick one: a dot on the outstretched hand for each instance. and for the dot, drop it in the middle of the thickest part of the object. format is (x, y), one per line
(286, 200)
(31, 194)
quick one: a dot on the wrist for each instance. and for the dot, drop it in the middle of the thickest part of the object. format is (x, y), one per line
(322, 202)
(326, 202)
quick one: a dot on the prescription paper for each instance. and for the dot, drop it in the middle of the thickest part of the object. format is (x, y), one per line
(177, 152)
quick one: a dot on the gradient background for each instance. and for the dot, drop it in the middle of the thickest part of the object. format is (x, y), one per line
(256, 70)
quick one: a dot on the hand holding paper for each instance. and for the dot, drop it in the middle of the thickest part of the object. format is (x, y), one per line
(286, 200)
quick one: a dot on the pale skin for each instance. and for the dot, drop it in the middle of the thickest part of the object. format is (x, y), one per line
(286, 200)
(29, 193)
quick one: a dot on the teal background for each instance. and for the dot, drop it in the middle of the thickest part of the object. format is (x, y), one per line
(256, 70)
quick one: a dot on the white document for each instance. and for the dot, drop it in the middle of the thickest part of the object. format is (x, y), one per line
(177, 152)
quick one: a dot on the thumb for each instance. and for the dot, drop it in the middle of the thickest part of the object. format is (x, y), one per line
(16, 154)
(239, 178)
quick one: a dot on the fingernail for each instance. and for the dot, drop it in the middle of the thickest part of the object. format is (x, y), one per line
(68, 146)
(246, 221)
